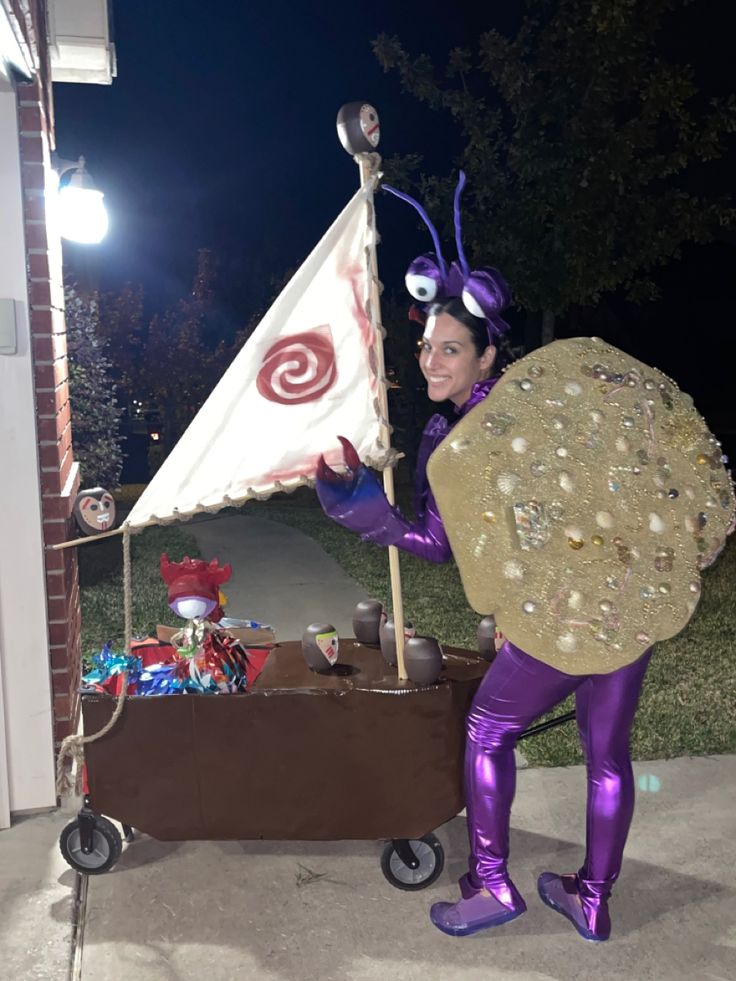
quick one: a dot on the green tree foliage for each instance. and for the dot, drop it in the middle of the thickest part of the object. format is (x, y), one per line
(95, 412)
(170, 363)
(582, 145)
(123, 326)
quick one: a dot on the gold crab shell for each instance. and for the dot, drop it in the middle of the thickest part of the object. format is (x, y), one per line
(618, 501)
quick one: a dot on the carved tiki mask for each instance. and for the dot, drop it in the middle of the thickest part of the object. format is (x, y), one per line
(94, 511)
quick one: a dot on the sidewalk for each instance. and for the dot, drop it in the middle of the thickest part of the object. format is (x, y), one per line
(36, 895)
(280, 576)
(287, 911)
(296, 911)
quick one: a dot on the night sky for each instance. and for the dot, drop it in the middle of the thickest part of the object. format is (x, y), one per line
(220, 132)
(220, 129)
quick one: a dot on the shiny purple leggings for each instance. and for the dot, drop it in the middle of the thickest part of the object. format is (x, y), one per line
(516, 690)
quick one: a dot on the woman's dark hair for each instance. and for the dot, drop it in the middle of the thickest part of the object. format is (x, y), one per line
(477, 326)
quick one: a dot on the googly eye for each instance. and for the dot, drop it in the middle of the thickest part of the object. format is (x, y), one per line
(422, 288)
(471, 304)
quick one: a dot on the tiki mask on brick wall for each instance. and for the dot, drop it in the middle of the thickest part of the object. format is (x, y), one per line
(94, 510)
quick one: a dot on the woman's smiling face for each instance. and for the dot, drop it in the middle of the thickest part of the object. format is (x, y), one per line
(449, 360)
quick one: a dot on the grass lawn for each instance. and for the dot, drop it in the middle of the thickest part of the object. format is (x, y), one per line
(688, 702)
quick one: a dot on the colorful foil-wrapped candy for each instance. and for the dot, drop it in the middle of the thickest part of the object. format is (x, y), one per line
(217, 665)
(109, 666)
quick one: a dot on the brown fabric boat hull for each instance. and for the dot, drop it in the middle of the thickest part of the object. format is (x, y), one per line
(351, 754)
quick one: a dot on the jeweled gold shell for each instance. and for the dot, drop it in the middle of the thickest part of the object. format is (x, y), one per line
(572, 563)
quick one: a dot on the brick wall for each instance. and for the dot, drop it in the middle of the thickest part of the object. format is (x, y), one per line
(59, 473)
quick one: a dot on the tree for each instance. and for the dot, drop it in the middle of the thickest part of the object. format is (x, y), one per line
(580, 145)
(95, 412)
(122, 327)
(170, 363)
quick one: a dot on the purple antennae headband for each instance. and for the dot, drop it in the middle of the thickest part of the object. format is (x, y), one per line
(425, 218)
(458, 230)
(483, 292)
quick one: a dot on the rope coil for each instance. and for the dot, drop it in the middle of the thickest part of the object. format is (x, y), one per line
(72, 747)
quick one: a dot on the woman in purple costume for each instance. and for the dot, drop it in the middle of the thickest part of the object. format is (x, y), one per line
(457, 357)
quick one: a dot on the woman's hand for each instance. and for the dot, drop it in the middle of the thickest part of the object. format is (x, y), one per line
(355, 499)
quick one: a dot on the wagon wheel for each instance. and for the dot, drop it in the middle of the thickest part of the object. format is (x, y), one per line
(413, 864)
(106, 846)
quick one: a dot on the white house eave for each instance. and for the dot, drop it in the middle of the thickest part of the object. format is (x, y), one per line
(14, 55)
(80, 46)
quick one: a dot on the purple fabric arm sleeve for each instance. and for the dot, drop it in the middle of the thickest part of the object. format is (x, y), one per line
(424, 538)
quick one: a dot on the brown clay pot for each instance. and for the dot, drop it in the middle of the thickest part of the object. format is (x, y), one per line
(387, 636)
(487, 638)
(319, 646)
(423, 660)
(367, 620)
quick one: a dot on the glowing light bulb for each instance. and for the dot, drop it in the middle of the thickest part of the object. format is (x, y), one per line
(82, 214)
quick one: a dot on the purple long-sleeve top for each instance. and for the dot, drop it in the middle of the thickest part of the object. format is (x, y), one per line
(426, 537)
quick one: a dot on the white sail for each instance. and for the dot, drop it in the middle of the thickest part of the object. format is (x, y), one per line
(307, 373)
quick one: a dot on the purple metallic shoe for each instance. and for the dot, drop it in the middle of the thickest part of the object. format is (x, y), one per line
(477, 909)
(589, 916)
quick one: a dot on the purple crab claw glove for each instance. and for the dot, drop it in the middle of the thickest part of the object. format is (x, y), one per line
(356, 500)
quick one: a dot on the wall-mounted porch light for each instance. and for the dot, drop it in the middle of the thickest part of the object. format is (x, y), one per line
(81, 211)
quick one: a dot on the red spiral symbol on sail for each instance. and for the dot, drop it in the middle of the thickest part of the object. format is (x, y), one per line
(299, 368)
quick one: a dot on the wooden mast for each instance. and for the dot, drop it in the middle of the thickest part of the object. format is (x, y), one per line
(369, 164)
